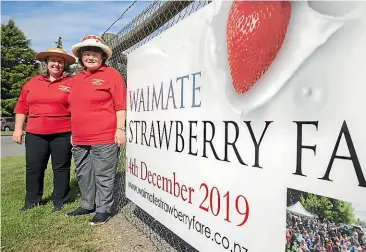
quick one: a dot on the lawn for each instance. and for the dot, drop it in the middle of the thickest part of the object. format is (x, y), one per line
(6, 133)
(39, 229)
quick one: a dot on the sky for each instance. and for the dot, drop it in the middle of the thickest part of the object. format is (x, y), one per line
(360, 211)
(44, 21)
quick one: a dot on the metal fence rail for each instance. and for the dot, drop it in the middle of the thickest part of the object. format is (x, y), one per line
(152, 21)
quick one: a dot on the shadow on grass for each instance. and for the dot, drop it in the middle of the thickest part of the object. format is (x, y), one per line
(74, 193)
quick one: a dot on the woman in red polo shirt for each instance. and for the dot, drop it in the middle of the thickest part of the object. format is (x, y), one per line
(45, 100)
(98, 114)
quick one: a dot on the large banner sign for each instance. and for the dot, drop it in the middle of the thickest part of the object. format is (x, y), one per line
(246, 127)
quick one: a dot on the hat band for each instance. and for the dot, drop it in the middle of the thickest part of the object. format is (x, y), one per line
(93, 37)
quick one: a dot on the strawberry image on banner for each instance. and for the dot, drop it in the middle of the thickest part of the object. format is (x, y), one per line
(255, 33)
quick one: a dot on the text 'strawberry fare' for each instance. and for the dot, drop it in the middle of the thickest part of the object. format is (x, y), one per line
(255, 33)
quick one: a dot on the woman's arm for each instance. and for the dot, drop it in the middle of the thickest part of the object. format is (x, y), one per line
(21, 111)
(120, 136)
(118, 92)
(121, 119)
(18, 129)
(19, 121)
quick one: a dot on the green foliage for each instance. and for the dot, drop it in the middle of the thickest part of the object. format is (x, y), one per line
(335, 210)
(7, 106)
(59, 43)
(18, 65)
(76, 68)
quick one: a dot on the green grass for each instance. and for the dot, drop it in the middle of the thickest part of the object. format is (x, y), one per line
(6, 133)
(40, 229)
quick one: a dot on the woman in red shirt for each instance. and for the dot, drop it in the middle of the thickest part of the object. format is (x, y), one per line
(98, 114)
(44, 99)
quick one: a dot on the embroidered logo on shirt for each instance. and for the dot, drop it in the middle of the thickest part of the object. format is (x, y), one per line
(97, 82)
(64, 88)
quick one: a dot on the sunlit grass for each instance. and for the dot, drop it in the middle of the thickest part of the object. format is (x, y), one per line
(40, 229)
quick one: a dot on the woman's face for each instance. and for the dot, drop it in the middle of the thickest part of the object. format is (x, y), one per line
(55, 66)
(91, 60)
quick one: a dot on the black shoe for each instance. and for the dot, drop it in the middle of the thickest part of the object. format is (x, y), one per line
(28, 206)
(100, 218)
(58, 208)
(80, 211)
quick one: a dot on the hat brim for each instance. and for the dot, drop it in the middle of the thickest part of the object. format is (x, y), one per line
(105, 48)
(68, 58)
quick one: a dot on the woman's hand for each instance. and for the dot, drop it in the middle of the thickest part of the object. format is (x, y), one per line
(120, 137)
(18, 136)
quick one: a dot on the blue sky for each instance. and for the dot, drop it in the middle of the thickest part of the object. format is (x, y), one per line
(44, 21)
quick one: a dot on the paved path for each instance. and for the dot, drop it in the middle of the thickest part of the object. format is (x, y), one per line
(9, 148)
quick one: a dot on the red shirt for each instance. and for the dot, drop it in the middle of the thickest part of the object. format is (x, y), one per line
(328, 247)
(46, 104)
(94, 100)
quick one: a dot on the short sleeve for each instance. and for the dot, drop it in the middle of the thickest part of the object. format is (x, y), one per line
(118, 91)
(22, 106)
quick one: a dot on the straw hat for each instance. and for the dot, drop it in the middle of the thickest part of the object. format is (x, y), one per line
(92, 40)
(56, 52)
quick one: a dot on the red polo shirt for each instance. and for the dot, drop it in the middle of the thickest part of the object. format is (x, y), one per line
(94, 100)
(46, 104)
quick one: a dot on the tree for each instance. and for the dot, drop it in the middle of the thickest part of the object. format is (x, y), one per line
(18, 65)
(334, 210)
(294, 196)
(59, 43)
(75, 68)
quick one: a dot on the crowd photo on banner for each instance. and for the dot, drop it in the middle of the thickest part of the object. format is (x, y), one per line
(315, 235)
(321, 230)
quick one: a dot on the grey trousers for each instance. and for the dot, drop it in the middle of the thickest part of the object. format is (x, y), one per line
(95, 168)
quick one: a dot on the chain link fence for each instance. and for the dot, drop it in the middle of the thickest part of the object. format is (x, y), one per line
(152, 21)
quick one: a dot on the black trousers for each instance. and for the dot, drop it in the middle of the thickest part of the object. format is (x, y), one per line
(38, 149)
